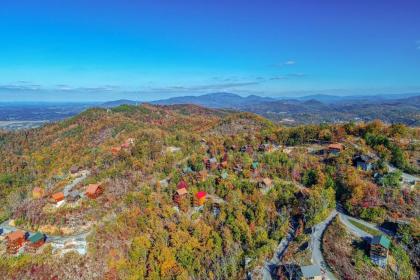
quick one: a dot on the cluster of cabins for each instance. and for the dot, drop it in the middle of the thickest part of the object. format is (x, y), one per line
(92, 191)
(17, 240)
(182, 193)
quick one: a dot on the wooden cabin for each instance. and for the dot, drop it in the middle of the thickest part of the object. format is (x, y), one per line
(115, 150)
(15, 240)
(201, 198)
(179, 195)
(379, 247)
(57, 197)
(37, 193)
(335, 149)
(363, 162)
(35, 241)
(94, 190)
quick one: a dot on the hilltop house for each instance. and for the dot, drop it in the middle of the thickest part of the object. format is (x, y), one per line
(335, 149)
(37, 192)
(94, 190)
(201, 198)
(379, 247)
(15, 241)
(58, 198)
(363, 162)
(311, 272)
(35, 241)
(179, 195)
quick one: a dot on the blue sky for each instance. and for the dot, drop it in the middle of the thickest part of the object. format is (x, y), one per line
(91, 50)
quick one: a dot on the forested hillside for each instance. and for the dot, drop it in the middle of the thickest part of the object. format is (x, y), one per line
(247, 182)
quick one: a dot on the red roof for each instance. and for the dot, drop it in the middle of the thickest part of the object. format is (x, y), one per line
(182, 185)
(16, 235)
(201, 195)
(58, 196)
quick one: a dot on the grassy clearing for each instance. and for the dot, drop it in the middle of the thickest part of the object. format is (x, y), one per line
(365, 228)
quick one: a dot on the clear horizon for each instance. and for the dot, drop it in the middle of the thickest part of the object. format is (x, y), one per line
(95, 51)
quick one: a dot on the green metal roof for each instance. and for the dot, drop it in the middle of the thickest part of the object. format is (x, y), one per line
(224, 175)
(36, 237)
(382, 240)
(255, 164)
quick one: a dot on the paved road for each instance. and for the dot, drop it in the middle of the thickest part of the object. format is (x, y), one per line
(316, 243)
(270, 267)
(345, 219)
(76, 181)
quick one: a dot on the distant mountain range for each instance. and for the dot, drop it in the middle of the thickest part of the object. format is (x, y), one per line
(404, 108)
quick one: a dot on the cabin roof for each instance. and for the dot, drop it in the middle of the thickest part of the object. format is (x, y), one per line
(182, 185)
(201, 194)
(16, 235)
(58, 196)
(92, 188)
(36, 237)
(381, 240)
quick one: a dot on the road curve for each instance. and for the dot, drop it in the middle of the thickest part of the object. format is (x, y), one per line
(316, 244)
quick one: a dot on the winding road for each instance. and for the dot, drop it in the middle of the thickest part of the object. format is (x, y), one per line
(316, 245)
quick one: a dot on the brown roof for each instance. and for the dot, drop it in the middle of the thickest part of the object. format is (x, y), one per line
(92, 188)
(336, 146)
(58, 196)
(16, 235)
